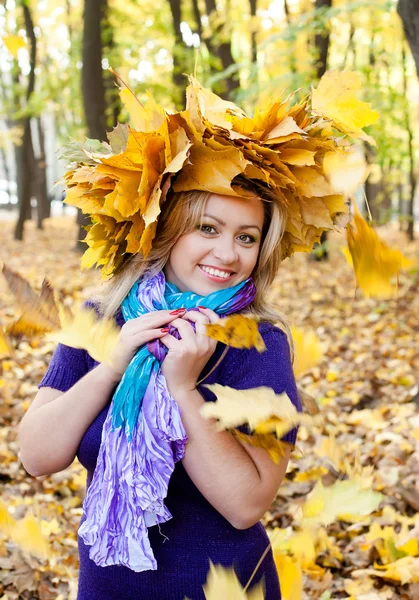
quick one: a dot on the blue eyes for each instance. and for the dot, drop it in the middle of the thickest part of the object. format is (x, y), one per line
(210, 229)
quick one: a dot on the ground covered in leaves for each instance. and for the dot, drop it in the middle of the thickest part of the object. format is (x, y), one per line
(365, 384)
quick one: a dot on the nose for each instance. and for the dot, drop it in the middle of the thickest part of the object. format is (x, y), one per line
(225, 250)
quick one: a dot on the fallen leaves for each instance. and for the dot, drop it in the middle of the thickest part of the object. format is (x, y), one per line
(364, 380)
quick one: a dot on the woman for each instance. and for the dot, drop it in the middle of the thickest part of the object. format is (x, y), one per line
(205, 243)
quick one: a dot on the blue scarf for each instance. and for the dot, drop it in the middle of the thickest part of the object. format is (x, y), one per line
(143, 435)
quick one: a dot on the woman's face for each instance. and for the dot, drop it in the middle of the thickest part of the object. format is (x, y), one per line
(221, 252)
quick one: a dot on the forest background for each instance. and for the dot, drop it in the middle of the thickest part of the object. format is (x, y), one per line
(55, 84)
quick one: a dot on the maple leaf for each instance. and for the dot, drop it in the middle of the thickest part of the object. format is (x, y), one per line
(335, 98)
(223, 583)
(375, 263)
(86, 330)
(237, 331)
(274, 447)
(308, 350)
(345, 170)
(290, 575)
(343, 498)
(40, 313)
(236, 407)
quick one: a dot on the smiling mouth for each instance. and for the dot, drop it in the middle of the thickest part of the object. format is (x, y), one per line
(216, 274)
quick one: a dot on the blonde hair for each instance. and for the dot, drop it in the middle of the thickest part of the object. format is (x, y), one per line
(181, 213)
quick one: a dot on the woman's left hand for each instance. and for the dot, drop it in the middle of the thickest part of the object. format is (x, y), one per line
(189, 355)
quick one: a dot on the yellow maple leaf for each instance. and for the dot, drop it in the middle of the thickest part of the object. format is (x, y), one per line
(375, 264)
(28, 535)
(290, 575)
(335, 98)
(254, 406)
(211, 170)
(308, 350)
(345, 171)
(223, 583)
(238, 331)
(274, 447)
(86, 330)
(326, 504)
(26, 532)
(40, 313)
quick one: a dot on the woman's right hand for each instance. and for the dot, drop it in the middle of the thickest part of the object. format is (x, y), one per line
(136, 332)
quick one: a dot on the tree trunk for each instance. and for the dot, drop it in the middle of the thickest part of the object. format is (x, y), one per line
(224, 54)
(409, 14)
(92, 73)
(411, 153)
(113, 102)
(42, 199)
(322, 41)
(24, 153)
(254, 46)
(93, 87)
(179, 67)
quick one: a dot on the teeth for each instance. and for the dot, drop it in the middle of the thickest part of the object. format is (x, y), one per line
(216, 272)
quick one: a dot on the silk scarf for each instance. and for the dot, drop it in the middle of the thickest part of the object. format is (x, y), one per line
(143, 435)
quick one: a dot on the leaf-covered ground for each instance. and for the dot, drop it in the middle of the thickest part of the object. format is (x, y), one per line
(366, 385)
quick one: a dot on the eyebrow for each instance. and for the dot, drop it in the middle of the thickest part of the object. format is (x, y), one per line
(240, 226)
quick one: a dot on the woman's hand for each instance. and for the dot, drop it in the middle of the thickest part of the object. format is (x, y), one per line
(189, 355)
(136, 332)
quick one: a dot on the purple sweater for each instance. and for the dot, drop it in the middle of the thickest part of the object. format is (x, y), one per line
(197, 533)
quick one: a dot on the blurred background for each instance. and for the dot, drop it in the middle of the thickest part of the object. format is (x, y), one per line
(55, 82)
(357, 354)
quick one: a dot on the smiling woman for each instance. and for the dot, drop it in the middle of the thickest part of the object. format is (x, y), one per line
(166, 491)
(250, 236)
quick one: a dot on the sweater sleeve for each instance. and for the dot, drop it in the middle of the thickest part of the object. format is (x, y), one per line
(271, 368)
(68, 364)
(66, 367)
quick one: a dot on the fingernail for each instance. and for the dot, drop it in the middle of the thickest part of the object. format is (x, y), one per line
(165, 329)
(202, 307)
(178, 311)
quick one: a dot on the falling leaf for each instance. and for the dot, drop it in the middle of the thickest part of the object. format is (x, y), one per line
(255, 406)
(28, 535)
(336, 98)
(40, 313)
(86, 330)
(238, 331)
(375, 263)
(308, 350)
(343, 498)
(345, 171)
(290, 576)
(223, 583)
(275, 448)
